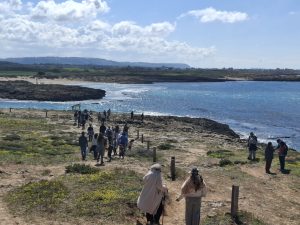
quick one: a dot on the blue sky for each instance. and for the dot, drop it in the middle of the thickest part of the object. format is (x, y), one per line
(201, 33)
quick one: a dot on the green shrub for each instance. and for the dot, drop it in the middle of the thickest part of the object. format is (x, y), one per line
(165, 146)
(81, 168)
(225, 162)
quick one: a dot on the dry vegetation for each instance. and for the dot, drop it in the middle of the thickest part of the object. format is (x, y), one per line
(43, 180)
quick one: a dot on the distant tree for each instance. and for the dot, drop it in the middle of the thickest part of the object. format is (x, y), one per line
(40, 73)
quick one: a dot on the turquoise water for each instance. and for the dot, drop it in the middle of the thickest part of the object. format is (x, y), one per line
(270, 109)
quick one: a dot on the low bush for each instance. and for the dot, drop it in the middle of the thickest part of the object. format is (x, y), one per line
(225, 162)
(81, 168)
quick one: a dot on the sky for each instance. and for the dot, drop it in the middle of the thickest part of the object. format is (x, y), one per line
(201, 33)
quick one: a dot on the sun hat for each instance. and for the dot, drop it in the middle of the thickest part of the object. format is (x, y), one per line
(156, 166)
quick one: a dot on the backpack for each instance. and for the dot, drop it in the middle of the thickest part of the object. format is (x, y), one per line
(109, 133)
(285, 148)
(123, 140)
(252, 140)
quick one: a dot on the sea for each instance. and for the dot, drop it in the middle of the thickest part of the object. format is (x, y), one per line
(269, 109)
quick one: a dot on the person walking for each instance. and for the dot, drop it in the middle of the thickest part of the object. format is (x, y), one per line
(90, 131)
(94, 146)
(102, 128)
(252, 146)
(123, 142)
(83, 143)
(132, 115)
(142, 117)
(151, 197)
(193, 189)
(269, 152)
(282, 153)
(101, 144)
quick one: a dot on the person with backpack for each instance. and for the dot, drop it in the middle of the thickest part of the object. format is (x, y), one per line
(152, 195)
(109, 135)
(193, 189)
(123, 142)
(252, 146)
(282, 153)
(269, 152)
(83, 143)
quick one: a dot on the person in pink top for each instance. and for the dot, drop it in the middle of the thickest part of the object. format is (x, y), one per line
(193, 189)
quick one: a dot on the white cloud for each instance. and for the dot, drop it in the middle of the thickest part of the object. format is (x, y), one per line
(9, 6)
(210, 15)
(49, 34)
(68, 10)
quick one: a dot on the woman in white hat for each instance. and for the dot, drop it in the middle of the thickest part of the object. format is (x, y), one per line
(150, 200)
(193, 189)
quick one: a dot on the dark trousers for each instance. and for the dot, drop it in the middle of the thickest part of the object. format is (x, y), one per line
(83, 152)
(155, 218)
(93, 149)
(90, 137)
(268, 165)
(282, 162)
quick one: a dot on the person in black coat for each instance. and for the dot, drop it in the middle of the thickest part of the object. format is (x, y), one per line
(269, 152)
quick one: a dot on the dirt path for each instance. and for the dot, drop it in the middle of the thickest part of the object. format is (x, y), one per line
(264, 195)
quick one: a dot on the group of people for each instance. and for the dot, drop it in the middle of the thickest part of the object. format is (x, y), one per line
(132, 116)
(282, 149)
(105, 116)
(82, 117)
(152, 197)
(110, 139)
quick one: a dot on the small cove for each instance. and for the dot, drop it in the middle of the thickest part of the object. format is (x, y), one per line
(270, 109)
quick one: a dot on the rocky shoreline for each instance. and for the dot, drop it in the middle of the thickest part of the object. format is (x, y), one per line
(24, 90)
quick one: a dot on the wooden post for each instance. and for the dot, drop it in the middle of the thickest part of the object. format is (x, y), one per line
(154, 154)
(234, 200)
(10, 110)
(138, 134)
(173, 174)
(142, 138)
(148, 145)
(46, 113)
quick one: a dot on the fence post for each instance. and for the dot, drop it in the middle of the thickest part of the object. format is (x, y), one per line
(148, 145)
(142, 138)
(46, 113)
(10, 110)
(173, 173)
(138, 134)
(234, 200)
(154, 154)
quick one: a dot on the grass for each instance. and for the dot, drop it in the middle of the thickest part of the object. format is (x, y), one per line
(243, 218)
(42, 196)
(105, 195)
(220, 154)
(34, 141)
